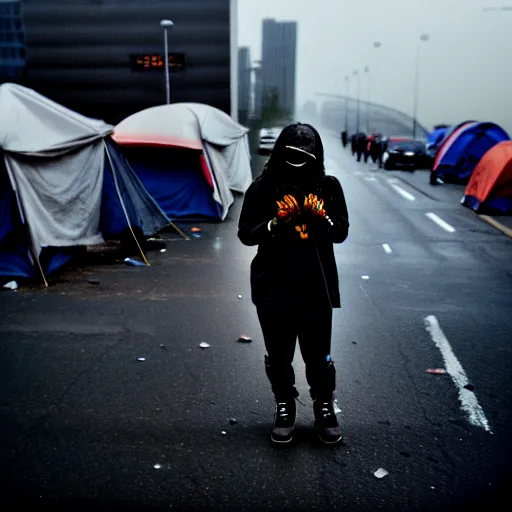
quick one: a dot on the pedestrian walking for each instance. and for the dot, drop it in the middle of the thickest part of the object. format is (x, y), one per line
(294, 213)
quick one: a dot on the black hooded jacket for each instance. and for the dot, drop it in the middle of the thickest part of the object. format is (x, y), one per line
(289, 271)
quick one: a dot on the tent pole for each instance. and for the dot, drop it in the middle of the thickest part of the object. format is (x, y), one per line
(123, 206)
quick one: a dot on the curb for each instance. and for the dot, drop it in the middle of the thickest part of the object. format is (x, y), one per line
(498, 225)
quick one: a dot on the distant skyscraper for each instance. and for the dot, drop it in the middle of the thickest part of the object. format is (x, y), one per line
(12, 48)
(256, 93)
(244, 83)
(278, 67)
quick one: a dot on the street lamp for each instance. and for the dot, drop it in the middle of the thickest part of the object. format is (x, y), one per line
(356, 73)
(167, 24)
(424, 38)
(347, 79)
(376, 44)
(367, 71)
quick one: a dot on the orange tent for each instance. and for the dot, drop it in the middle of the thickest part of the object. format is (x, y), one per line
(490, 187)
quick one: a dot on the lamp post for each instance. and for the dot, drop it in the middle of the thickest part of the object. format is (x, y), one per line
(167, 24)
(367, 72)
(376, 44)
(424, 38)
(356, 73)
(347, 80)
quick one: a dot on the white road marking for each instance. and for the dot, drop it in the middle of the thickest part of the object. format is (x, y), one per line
(440, 222)
(468, 400)
(387, 248)
(403, 192)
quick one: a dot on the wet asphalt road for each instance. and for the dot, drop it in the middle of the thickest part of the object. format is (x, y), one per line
(84, 425)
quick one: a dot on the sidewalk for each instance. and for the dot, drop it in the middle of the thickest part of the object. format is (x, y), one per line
(448, 193)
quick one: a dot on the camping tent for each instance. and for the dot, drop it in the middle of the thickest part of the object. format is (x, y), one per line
(490, 188)
(436, 136)
(463, 148)
(189, 156)
(63, 184)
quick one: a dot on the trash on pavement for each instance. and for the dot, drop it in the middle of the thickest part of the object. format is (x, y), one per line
(380, 473)
(244, 338)
(204, 345)
(469, 387)
(365, 277)
(337, 410)
(163, 250)
(196, 235)
(141, 359)
(232, 421)
(223, 432)
(157, 466)
(196, 230)
(134, 263)
(436, 371)
(11, 285)
(94, 281)
(239, 296)
(162, 346)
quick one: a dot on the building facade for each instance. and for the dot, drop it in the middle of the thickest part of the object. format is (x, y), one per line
(244, 83)
(278, 66)
(105, 58)
(12, 46)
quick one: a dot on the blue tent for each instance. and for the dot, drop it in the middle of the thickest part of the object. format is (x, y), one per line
(435, 137)
(183, 192)
(462, 149)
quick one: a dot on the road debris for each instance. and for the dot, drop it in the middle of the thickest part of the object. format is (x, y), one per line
(141, 359)
(163, 250)
(11, 285)
(94, 281)
(204, 345)
(196, 235)
(223, 432)
(365, 277)
(239, 296)
(244, 339)
(469, 387)
(337, 410)
(134, 263)
(157, 466)
(162, 346)
(436, 371)
(380, 473)
(232, 421)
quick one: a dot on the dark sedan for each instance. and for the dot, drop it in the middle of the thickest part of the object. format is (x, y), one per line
(405, 154)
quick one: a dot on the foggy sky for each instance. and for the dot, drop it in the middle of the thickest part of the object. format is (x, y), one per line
(465, 67)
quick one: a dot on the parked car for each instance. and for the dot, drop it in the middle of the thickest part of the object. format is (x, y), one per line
(268, 137)
(401, 153)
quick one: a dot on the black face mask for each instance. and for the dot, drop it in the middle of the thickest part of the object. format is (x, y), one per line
(299, 169)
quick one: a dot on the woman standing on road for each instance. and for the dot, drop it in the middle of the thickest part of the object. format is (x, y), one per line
(295, 213)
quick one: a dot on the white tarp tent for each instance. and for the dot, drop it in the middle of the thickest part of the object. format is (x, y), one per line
(55, 159)
(196, 126)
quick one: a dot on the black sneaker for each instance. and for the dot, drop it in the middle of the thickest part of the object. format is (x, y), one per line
(326, 422)
(284, 421)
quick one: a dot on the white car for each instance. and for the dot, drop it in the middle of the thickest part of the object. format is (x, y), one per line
(268, 137)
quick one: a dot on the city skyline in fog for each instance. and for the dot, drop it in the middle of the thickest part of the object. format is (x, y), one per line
(465, 69)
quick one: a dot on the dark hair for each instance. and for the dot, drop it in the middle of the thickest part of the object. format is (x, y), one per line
(303, 136)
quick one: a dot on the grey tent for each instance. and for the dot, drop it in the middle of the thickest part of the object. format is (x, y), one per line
(69, 184)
